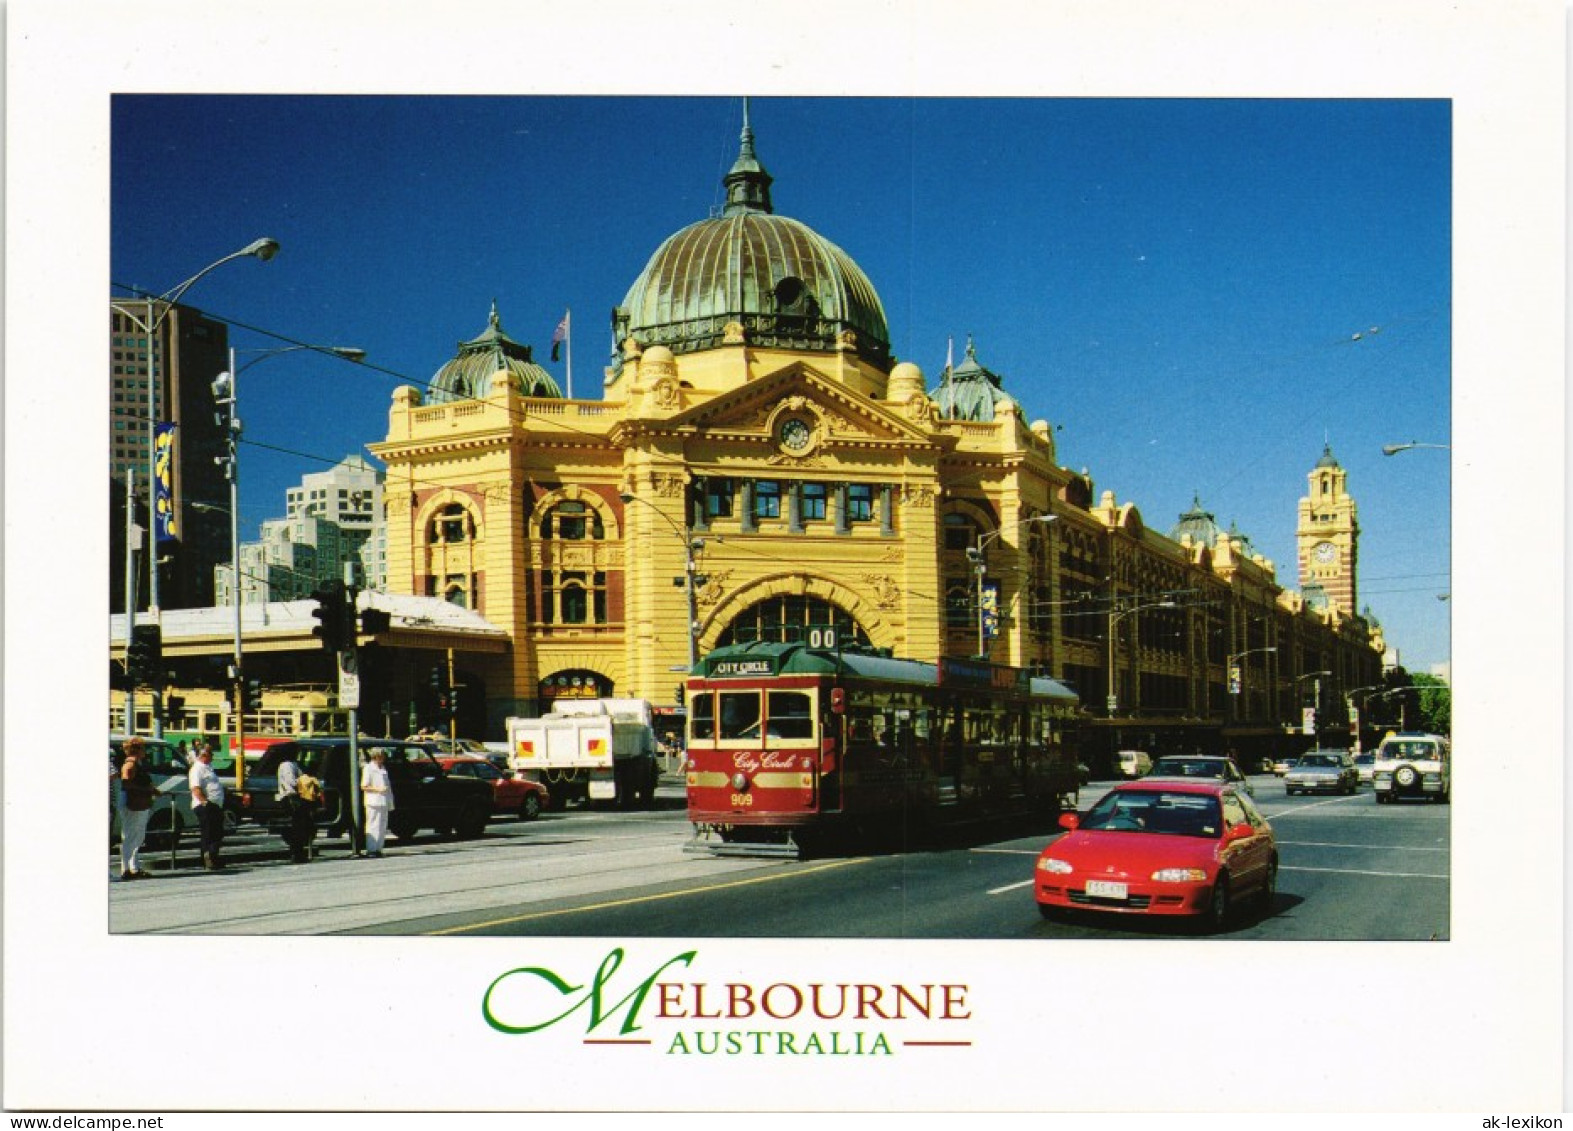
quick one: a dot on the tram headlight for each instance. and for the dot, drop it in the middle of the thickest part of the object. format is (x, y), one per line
(739, 782)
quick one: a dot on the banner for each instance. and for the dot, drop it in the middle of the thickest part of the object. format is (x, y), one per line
(991, 605)
(165, 527)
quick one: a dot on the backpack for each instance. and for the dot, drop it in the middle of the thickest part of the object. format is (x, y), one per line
(308, 789)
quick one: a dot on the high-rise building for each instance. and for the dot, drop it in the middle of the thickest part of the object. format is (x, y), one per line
(167, 377)
(332, 518)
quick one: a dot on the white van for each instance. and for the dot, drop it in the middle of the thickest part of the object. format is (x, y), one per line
(1413, 765)
(1132, 763)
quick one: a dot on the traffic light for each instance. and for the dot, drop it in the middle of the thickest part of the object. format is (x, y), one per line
(682, 693)
(373, 621)
(332, 613)
(145, 655)
(251, 696)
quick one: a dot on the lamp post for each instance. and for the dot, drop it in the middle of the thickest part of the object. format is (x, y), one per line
(1114, 618)
(980, 568)
(691, 580)
(226, 395)
(263, 249)
(1394, 449)
(1316, 710)
(1355, 711)
(1237, 675)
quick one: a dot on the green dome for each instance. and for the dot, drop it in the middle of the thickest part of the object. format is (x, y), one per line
(969, 391)
(470, 372)
(787, 286)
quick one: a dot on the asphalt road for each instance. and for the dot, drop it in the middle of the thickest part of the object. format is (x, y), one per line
(1350, 870)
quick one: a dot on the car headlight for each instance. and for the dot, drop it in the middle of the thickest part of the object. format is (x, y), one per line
(1050, 864)
(1179, 876)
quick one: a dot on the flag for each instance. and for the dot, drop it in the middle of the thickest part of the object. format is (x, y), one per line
(164, 525)
(560, 335)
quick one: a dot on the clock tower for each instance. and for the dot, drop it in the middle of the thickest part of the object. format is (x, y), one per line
(1327, 537)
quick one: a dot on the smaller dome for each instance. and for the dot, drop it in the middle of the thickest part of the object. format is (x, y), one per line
(971, 392)
(469, 374)
(1197, 524)
(1327, 459)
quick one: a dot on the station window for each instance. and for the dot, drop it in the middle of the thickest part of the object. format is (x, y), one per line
(813, 501)
(718, 498)
(767, 499)
(860, 502)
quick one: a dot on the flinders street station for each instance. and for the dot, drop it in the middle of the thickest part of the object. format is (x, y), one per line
(759, 466)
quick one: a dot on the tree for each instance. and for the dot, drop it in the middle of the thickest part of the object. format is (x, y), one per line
(1435, 699)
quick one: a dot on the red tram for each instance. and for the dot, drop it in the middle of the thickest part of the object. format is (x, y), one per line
(789, 743)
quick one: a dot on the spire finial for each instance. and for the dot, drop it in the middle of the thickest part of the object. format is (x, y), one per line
(747, 184)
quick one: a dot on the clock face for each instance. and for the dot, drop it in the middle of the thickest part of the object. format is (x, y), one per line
(1325, 552)
(795, 435)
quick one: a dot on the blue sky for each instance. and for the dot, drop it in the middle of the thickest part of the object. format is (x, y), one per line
(1198, 293)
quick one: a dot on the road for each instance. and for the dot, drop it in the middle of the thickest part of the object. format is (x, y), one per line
(1350, 870)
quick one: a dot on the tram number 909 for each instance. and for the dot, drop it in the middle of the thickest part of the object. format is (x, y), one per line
(743, 800)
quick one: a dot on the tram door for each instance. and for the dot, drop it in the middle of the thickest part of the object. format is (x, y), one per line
(952, 740)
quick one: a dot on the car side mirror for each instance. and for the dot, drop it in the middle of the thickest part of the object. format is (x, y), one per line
(1070, 821)
(1242, 831)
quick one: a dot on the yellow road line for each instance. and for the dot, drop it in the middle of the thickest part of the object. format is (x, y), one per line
(645, 898)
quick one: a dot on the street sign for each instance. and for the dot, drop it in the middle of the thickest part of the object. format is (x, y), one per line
(1308, 721)
(349, 680)
(1113, 702)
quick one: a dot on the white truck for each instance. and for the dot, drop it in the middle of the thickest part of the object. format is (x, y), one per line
(601, 750)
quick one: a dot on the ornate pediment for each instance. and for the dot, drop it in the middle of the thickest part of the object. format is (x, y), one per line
(804, 413)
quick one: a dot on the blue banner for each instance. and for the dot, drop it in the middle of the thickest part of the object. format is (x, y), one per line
(165, 527)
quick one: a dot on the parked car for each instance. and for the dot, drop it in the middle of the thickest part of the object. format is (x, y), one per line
(1177, 848)
(1132, 763)
(1211, 767)
(1365, 763)
(511, 794)
(172, 803)
(1323, 771)
(1413, 765)
(425, 796)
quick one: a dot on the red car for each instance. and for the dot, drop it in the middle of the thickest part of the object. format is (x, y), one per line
(510, 794)
(1192, 848)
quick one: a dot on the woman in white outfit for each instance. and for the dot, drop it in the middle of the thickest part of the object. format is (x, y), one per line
(377, 794)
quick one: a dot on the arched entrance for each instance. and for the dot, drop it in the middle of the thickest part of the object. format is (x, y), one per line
(573, 684)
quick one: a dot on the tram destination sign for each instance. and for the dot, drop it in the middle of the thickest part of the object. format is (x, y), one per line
(733, 669)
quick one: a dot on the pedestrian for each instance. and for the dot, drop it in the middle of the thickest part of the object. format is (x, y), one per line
(207, 801)
(138, 807)
(377, 797)
(287, 794)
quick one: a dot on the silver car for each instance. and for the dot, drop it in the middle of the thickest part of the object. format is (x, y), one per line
(1323, 771)
(1206, 766)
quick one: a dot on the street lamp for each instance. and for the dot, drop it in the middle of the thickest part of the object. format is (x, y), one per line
(1316, 709)
(691, 580)
(226, 395)
(1237, 674)
(980, 568)
(1114, 619)
(1394, 449)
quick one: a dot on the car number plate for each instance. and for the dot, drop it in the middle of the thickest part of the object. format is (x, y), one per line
(603, 790)
(1107, 889)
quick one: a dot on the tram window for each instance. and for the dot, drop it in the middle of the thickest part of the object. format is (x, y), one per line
(791, 715)
(701, 716)
(739, 714)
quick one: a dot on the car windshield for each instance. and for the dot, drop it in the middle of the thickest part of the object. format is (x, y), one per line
(1187, 768)
(1311, 760)
(1155, 811)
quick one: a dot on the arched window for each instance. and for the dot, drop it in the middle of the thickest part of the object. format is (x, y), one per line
(452, 525)
(787, 619)
(572, 521)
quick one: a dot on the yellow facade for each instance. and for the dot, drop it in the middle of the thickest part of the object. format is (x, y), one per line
(779, 486)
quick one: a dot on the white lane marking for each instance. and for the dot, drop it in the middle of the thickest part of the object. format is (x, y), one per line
(1366, 847)
(1009, 887)
(1366, 872)
(1309, 805)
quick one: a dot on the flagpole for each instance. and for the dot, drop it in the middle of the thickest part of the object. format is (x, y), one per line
(568, 341)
